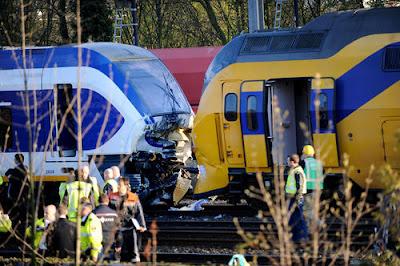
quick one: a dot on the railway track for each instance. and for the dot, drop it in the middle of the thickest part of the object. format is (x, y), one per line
(213, 232)
(208, 210)
(224, 233)
(210, 229)
(223, 259)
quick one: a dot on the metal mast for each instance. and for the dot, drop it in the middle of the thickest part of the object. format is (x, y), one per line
(126, 22)
(256, 15)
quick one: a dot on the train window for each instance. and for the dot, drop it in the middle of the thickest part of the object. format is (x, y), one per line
(230, 111)
(5, 128)
(392, 59)
(66, 125)
(252, 123)
(323, 111)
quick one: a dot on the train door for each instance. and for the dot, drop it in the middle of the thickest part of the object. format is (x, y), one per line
(63, 123)
(288, 116)
(231, 125)
(254, 129)
(284, 142)
(391, 145)
(323, 125)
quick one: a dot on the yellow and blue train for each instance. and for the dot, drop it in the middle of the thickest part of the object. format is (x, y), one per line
(338, 78)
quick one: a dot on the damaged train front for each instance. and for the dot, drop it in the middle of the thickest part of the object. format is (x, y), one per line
(161, 168)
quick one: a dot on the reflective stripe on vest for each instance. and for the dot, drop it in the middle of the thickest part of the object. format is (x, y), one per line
(74, 197)
(314, 173)
(291, 181)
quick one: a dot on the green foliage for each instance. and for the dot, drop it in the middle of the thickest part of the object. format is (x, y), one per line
(162, 23)
(96, 20)
(389, 214)
(387, 258)
(9, 20)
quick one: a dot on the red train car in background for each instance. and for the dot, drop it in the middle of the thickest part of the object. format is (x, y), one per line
(188, 65)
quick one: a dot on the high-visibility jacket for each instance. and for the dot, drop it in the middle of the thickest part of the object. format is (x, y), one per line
(5, 223)
(91, 236)
(290, 187)
(112, 185)
(40, 228)
(96, 191)
(1, 180)
(61, 191)
(314, 173)
(74, 195)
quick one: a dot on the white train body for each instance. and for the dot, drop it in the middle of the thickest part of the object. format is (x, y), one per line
(131, 104)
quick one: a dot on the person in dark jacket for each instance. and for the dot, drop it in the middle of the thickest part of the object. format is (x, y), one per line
(109, 224)
(61, 241)
(18, 184)
(130, 213)
(18, 190)
(296, 188)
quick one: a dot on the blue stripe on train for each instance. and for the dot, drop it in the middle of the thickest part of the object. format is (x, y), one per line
(94, 115)
(362, 83)
(68, 57)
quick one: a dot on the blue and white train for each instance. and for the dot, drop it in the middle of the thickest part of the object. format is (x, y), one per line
(134, 113)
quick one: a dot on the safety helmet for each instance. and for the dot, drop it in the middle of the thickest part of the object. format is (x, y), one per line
(308, 150)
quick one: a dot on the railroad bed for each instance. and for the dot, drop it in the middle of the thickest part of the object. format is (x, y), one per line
(216, 233)
(241, 210)
(198, 237)
(210, 235)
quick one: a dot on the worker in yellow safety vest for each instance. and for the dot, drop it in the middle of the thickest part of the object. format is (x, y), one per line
(63, 186)
(313, 170)
(295, 189)
(91, 233)
(93, 181)
(110, 185)
(5, 222)
(74, 192)
(41, 227)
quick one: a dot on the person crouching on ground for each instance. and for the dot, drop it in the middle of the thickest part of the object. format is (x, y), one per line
(295, 188)
(130, 212)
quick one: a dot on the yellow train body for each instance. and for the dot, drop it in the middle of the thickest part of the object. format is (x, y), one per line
(362, 103)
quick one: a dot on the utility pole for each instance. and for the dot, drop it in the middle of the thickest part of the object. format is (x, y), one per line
(296, 13)
(135, 23)
(256, 15)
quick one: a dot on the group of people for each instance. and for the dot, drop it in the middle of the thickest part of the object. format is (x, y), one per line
(111, 219)
(304, 180)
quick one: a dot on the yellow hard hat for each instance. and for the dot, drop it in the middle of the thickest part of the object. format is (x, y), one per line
(308, 150)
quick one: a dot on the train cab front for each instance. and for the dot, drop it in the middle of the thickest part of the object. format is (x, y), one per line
(162, 146)
(231, 137)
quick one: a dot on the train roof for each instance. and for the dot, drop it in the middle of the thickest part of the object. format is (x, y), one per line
(320, 38)
(38, 57)
(119, 52)
(137, 72)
